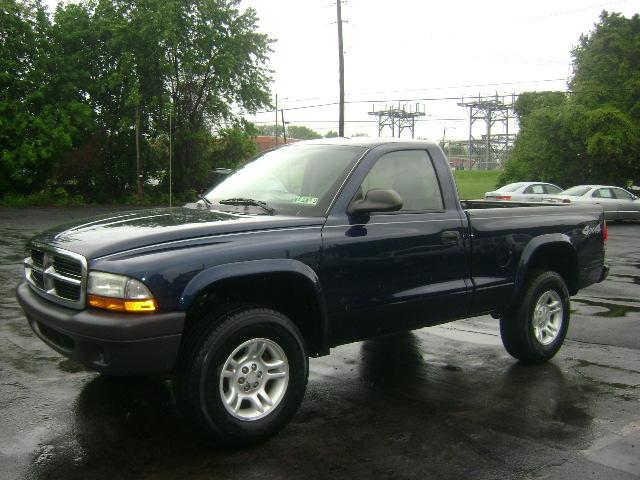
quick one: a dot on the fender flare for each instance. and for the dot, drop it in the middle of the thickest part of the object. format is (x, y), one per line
(556, 239)
(212, 275)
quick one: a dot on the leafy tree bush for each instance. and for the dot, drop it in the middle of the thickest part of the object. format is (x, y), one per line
(591, 134)
(86, 94)
(293, 131)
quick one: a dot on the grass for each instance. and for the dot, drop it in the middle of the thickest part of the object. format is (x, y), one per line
(473, 184)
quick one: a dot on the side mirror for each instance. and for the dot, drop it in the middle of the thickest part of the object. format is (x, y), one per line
(376, 200)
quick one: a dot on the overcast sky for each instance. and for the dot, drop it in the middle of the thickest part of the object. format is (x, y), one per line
(418, 51)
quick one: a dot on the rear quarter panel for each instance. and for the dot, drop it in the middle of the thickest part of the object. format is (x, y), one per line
(504, 239)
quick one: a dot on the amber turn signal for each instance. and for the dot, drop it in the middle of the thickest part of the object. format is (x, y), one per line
(144, 305)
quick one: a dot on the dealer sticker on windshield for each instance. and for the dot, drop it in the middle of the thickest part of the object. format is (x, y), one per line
(307, 200)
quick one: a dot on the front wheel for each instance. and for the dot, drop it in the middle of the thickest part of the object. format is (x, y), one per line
(534, 330)
(242, 376)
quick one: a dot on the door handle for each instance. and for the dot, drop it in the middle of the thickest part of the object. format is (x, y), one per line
(450, 237)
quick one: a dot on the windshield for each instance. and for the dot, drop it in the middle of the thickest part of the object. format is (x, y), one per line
(512, 187)
(294, 180)
(576, 191)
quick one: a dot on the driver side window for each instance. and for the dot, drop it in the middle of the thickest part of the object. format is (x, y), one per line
(411, 174)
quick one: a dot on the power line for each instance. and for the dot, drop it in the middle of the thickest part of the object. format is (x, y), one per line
(567, 12)
(450, 87)
(434, 99)
(291, 122)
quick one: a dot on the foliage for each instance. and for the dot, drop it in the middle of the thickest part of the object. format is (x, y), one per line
(302, 133)
(473, 184)
(232, 147)
(40, 116)
(589, 135)
(56, 196)
(293, 131)
(269, 129)
(73, 87)
(331, 134)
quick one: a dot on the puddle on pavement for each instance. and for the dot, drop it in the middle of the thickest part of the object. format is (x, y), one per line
(634, 278)
(613, 310)
(70, 366)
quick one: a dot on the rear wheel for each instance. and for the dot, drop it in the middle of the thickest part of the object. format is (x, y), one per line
(534, 330)
(242, 376)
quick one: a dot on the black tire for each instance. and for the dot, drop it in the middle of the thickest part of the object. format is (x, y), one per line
(519, 328)
(199, 389)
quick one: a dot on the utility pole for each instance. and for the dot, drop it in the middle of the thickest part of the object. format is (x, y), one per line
(170, 150)
(341, 69)
(138, 160)
(276, 132)
(284, 128)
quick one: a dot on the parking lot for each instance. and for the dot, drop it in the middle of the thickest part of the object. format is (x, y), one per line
(442, 402)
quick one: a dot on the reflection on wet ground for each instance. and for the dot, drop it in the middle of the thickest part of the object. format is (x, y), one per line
(445, 402)
(611, 309)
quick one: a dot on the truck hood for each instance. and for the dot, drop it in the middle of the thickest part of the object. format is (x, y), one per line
(124, 231)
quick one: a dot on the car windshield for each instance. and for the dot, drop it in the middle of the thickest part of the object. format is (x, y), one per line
(576, 191)
(512, 187)
(294, 180)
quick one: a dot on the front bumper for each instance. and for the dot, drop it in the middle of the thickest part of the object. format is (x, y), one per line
(111, 343)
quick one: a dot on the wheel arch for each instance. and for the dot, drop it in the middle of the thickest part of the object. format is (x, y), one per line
(553, 252)
(286, 285)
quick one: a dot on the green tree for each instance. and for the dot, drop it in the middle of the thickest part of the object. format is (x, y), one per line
(41, 114)
(233, 146)
(268, 129)
(293, 131)
(86, 95)
(589, 135)
(302, 133)
(214, 58)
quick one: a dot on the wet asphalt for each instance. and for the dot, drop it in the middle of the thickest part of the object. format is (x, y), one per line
(444, 402)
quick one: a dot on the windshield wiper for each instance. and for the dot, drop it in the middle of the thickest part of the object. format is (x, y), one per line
(248, 202)
(208, 202)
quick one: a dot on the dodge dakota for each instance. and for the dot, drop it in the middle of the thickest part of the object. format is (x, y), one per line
(307, 247)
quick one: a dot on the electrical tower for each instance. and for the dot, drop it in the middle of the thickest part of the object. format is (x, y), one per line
(398, 119)
(491, 150)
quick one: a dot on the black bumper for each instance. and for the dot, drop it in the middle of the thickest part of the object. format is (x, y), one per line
(112, 343)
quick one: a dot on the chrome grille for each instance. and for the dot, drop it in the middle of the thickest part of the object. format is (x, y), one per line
(66, 266)
(57, 274)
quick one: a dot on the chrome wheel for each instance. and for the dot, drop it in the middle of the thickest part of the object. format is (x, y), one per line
(254, 379)
(547, 317)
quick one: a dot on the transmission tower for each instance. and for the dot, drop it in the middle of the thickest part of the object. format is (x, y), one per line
(491, 150)
(398, 118)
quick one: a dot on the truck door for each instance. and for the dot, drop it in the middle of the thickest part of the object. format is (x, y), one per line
(394, 271)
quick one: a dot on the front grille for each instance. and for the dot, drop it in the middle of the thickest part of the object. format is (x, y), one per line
(57, 275)
(67, 266)
(38, 279)
(65, 290)
(38, 257)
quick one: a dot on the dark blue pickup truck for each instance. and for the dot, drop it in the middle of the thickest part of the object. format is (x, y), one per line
(307, 247)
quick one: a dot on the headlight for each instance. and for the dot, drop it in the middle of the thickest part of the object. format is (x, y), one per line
(120, 293)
